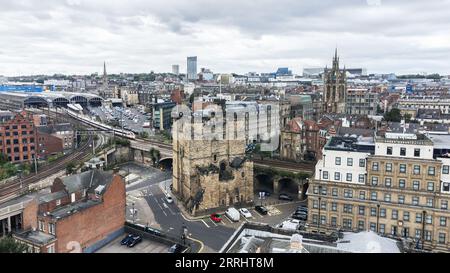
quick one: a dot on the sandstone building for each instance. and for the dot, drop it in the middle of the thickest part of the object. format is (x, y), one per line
(210, 169)
(335, 88)
(395, 186)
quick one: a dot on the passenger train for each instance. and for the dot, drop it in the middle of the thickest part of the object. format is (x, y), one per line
(99, 125)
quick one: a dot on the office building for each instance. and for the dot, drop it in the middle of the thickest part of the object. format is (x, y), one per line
(393, 186)
(192, 68)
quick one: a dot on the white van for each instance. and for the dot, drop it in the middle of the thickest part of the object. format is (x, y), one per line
(233, 214)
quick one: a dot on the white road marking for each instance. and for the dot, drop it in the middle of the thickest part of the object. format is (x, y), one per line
(205, 223)
(212, 222)
(156, 200)
(226, 217)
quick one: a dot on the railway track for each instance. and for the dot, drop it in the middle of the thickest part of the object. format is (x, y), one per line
(301, 166)
(19, 186)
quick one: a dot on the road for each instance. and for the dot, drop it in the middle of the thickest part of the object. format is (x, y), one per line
(170, 219)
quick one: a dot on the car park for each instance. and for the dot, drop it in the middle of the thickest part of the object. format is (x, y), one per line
(126, 239)
(302, 210)
(261, 209)
(301, 217)
(215, 217)
(244, 212)
(233, 214)
(134, 241)
(285, 197)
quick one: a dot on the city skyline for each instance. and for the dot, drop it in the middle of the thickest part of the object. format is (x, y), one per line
(76, 36)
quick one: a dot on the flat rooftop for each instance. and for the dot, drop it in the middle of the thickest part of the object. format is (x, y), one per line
(73, 208)
(351, 144)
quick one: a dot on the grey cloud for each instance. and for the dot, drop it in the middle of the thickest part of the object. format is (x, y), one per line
(228, 36)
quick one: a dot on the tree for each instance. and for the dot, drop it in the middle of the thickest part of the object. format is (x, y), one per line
(191, 98)
(3, 159)
(407, 118)
(393, 115)
(144, 134)
(155, 155)
(70, 168)
(9, 245)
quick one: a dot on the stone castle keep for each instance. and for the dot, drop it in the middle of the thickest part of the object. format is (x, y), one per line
(210, 174)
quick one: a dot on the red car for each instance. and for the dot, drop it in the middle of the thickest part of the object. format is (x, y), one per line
(216, 217)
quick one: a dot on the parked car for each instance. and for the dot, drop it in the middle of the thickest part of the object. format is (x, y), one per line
(233, 214)
(245, 213)
(215, 217)
(300, 212)
(302, 217)
(301, 208)
(126, 239)
(289, 225)
(171, 187)
(169, 199)
(261, 209)
(285, 197)
(134, 241)
(176, 248)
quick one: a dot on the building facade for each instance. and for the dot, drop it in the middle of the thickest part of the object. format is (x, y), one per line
(335, 88)
(82, 212)
(361, 101)
(393, 186)
(191, 68)
(210, 174)
(18, 140)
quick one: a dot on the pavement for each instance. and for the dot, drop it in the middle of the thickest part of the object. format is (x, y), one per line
(148, 196)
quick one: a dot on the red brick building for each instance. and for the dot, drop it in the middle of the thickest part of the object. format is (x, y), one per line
(177, 96)
(18, 139)
(54, 139)
(300, 140)
(82, 213)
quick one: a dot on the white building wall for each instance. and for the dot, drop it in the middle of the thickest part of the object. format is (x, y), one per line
(445, 174)
(327, 165)
(426, 151)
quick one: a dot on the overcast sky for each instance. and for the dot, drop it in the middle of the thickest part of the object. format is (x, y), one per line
(76, 36)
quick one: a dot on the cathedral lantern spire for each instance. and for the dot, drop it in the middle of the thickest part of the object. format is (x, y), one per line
(335, 88)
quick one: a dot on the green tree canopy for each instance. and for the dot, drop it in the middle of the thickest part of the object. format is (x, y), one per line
(9, 245)
(393, 115)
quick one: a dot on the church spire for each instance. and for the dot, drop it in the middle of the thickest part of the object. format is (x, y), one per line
(105, 76)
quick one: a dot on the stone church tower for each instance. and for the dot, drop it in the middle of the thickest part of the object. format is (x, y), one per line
(210, 174)
(335, 88)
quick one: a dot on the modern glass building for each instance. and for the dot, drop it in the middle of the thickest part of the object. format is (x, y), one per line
(192, 68)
